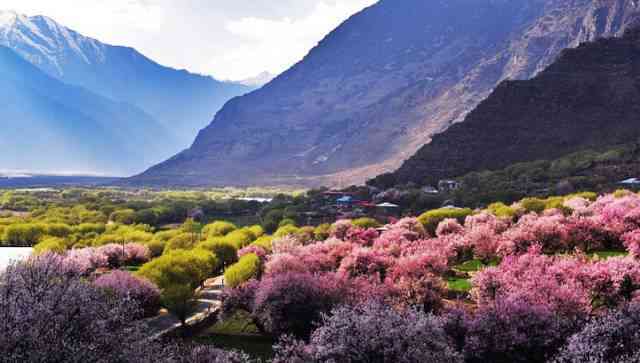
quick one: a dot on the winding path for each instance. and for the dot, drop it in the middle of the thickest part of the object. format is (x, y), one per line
(208, 305)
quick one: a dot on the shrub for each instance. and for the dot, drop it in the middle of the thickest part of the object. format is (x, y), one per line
(188, 268)
(50, 244)
(245, 269)
(240, 238)
(501, 210)
(449, 226)
(292, 303)
(156, 247)
(208, 354)
(225, 251)
(514, 330)
(23, 235)
(322, 232)
(265, 242)
(125, 285)
(59, 230)
(50, 313)
(257, 231)
(182, 241)
(432, 218)
(287, 222)
(123, 216)
(535, 205)
(612, 337)
(218, 229)
(286, 230)
(366, 223)
(285, 244)
(372, 332)
(256, 250)
(177, 274)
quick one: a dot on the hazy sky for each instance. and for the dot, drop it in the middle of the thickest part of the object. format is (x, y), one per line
(230, 39)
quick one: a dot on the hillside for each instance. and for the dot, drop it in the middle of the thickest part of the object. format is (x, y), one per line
(183, 102)
(379, 86)
(53, 127)
(589, 98)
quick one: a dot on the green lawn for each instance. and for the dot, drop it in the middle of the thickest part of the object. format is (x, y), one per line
(458, 284)
(474, 265)
(607, 254)
(239, 334)
(132, 268)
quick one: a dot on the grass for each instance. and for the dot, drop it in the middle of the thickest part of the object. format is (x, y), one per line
(606, 254)
(240, 334)
(474, 265)
(459, 284)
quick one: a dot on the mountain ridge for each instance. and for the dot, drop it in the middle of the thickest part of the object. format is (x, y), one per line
(182, 101)
(587, 100)
(51, 126)
(406, 70)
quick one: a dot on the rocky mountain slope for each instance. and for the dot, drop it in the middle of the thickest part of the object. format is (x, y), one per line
(50, 126)
(379, 86)
(183, 102)
(588, 99)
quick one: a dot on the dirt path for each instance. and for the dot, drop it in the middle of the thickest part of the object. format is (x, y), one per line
(208, 305)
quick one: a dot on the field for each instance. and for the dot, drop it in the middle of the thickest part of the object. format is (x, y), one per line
(503, 283)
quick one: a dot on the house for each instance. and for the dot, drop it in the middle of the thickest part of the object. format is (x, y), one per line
(445, 186)
(429, 190)
(630, 181)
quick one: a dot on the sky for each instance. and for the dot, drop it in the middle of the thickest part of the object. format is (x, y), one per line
(229, 39)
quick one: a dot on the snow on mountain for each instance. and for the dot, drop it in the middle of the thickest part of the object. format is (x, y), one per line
(45, 43)
(182, 102)
(259, 80)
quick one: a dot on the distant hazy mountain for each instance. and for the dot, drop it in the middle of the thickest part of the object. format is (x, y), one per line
(379, 86)
(183, 102)
(588, 99)
(49, 126)
(259, 80)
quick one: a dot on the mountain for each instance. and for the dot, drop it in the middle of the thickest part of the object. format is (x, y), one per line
(377, 88)
(50, 126)
(183, 102)
(588, 99)
(259, 80)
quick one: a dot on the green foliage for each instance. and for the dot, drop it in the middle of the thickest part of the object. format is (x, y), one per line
(366, 223)
(286, 222)
(322, 232)
(286, 231)
(265, 242)
(533, 205)
(224, 251)
(306, 234)
(50, 244)
(502, 210)
(58, 230)
(180, 267)
(123, 216)
(180, 300)
(257, 231)
(621, 193)
(271, 220)
(432, 218)
(586, 195)
(23, 235)
(240, 238)
(181, 241)
(245, 269)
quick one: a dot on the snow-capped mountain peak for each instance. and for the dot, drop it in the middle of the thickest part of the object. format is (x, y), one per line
(46, 43)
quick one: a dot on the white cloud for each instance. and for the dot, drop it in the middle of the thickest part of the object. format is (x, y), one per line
(231, 39)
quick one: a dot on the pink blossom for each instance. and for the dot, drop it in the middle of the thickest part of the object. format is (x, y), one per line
(449, 226)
